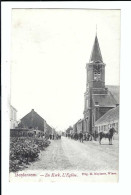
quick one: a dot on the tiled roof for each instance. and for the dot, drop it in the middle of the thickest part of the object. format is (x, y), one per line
(111, 115)
(106, 100)
(96, 53)
(30, 113)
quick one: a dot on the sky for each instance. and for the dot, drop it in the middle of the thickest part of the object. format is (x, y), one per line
(49, 52)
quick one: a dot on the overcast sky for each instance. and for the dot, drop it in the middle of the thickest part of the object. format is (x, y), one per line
(49, 52)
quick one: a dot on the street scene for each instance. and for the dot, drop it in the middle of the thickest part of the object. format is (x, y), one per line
(64, 111)
(67, 154)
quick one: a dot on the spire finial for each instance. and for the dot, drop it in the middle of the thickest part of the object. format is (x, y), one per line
(96, 53)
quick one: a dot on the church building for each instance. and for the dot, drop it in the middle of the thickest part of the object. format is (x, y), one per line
(99, 99)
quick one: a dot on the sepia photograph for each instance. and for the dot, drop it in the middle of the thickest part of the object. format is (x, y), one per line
(64, 95)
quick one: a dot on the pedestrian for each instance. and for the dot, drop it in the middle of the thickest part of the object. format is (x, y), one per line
(81, 136)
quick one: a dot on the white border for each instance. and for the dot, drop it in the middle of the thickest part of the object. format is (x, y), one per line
(125, 98)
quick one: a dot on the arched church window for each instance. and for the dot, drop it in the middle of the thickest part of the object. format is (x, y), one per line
(97, 75)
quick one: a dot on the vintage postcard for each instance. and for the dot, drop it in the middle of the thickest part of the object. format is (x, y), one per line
(64, 103)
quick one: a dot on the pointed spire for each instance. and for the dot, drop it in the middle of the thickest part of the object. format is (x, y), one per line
(96, 53)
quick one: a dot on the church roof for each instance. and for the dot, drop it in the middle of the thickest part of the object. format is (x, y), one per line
(111, 115)
(96, 53)
(115, 91)
(105, 100)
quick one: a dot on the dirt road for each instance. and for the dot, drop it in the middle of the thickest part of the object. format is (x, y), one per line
(67, 154)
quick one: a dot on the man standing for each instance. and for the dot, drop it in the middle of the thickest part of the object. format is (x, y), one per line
(81, 136)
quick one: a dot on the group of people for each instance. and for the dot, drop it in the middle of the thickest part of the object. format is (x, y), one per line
(80, 136)
(54, 136)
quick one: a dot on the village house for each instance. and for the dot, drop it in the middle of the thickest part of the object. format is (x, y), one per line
(32, 121)
(108, 120)
(13, 117)
(35, 122)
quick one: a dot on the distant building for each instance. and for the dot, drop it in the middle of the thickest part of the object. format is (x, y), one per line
(78, 126)
(75, 128)
(59, 132)
(13, 118)
(99, 98)
(69, 130)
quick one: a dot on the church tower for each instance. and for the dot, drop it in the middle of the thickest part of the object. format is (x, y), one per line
(95, 68)
(95, 88)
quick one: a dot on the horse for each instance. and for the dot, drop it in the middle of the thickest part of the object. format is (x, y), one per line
(108, 135)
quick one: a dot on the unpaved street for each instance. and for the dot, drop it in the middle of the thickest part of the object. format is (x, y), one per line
(67, 154)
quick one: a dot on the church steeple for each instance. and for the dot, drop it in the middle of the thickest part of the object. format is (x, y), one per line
(96, 53)
(96, 68)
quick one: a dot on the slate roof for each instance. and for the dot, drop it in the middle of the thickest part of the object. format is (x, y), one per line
(111, 115)
(96, 53)
(30, 113)
(115, 90)
(110, 99)
(105, 100)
